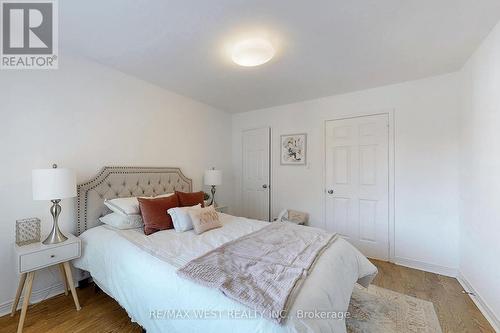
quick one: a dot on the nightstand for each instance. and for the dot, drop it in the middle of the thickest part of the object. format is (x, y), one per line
(36, 256)
(221, 209)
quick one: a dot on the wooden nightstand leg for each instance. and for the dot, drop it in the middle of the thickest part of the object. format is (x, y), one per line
(69, 276)
(63, 274)
(26, 302)
(20, 287)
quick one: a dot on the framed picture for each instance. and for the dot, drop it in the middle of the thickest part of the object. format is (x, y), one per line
(293, 149)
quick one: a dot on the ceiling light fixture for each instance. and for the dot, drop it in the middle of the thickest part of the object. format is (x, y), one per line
(252, 52)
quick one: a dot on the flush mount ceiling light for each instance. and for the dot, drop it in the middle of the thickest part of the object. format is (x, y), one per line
(252, 52)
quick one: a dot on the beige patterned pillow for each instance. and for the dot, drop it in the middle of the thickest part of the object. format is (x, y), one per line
(204, 219)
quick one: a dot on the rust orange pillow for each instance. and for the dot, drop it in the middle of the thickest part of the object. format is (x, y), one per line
(154, 213)
(190, 199)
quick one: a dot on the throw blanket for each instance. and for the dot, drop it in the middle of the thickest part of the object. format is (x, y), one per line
(262, 270)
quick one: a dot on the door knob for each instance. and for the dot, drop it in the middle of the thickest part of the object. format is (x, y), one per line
(330, 191)
(264, 186)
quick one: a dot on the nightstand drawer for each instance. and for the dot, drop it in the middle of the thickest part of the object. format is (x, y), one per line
(48, 257)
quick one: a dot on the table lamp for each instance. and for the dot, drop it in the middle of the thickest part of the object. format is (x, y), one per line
(54, 184)
(213, 178)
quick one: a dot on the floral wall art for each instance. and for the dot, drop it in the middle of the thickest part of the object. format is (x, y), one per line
(293, 149)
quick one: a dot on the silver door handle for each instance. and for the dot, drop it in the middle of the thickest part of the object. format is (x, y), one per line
(264, 186)
(330, 191)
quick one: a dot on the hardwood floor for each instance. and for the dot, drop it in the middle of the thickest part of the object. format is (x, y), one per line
(100, 313)
(456, 311)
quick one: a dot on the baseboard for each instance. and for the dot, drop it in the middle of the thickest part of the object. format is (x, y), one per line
(423, 266)
(480, 303)
(36, 297)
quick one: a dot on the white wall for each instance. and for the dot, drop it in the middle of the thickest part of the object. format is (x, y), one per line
(85, 116)
(480, 174)
(426, 162)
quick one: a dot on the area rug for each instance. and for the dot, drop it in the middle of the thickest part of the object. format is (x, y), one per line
(378, 310)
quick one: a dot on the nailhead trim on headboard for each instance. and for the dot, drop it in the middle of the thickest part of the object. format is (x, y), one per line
(183, 184)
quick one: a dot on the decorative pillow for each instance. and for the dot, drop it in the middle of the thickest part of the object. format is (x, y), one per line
(204, 219)
(121, 221)
(154, 213)
(129, 205)
(124, 206)
(190, 199)
(180, 217)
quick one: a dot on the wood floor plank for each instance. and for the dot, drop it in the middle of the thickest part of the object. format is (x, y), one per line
(101, 314)
(455, 310)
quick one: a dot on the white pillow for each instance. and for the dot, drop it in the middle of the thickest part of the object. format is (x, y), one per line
(160, 196)
(121, 221)
(124, 206)
(180, 217)
(130, 205)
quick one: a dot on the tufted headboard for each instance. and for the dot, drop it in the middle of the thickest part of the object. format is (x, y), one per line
(116, 182)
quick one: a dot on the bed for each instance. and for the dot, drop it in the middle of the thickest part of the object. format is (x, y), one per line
(139, 271)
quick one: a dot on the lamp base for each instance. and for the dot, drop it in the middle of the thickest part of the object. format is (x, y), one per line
(213, 203)
(55, 235)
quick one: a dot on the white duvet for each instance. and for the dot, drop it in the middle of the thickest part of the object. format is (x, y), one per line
(140, 273)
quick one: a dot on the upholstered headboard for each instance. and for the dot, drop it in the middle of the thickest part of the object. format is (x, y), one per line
(117, 182)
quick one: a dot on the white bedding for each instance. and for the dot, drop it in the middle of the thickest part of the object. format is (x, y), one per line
(160, 301)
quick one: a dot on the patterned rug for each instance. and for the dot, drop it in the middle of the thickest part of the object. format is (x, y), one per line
(378, 310)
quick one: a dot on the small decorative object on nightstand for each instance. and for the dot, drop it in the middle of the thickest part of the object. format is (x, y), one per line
(27, 231)
(289, 215)
(213, 178)
(221, 209)
(33, 257)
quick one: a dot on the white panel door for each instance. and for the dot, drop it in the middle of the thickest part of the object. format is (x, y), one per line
(357, 182)
(256, 174)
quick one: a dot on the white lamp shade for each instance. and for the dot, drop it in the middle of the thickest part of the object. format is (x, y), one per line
(213, 177)
(53, 184)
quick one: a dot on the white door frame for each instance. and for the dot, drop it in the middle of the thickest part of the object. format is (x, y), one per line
(271, 169)
(391, 145)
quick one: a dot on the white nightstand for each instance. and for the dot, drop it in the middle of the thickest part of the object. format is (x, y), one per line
(33, 257)
(221, 209)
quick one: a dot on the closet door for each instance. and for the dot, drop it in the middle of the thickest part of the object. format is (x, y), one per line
(256, 189)
(357, 182)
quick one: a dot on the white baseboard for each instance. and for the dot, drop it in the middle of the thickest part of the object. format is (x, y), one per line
(480, 303)
(36, 296)
(423, 266)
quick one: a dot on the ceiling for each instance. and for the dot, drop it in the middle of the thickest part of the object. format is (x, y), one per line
(323, 47)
